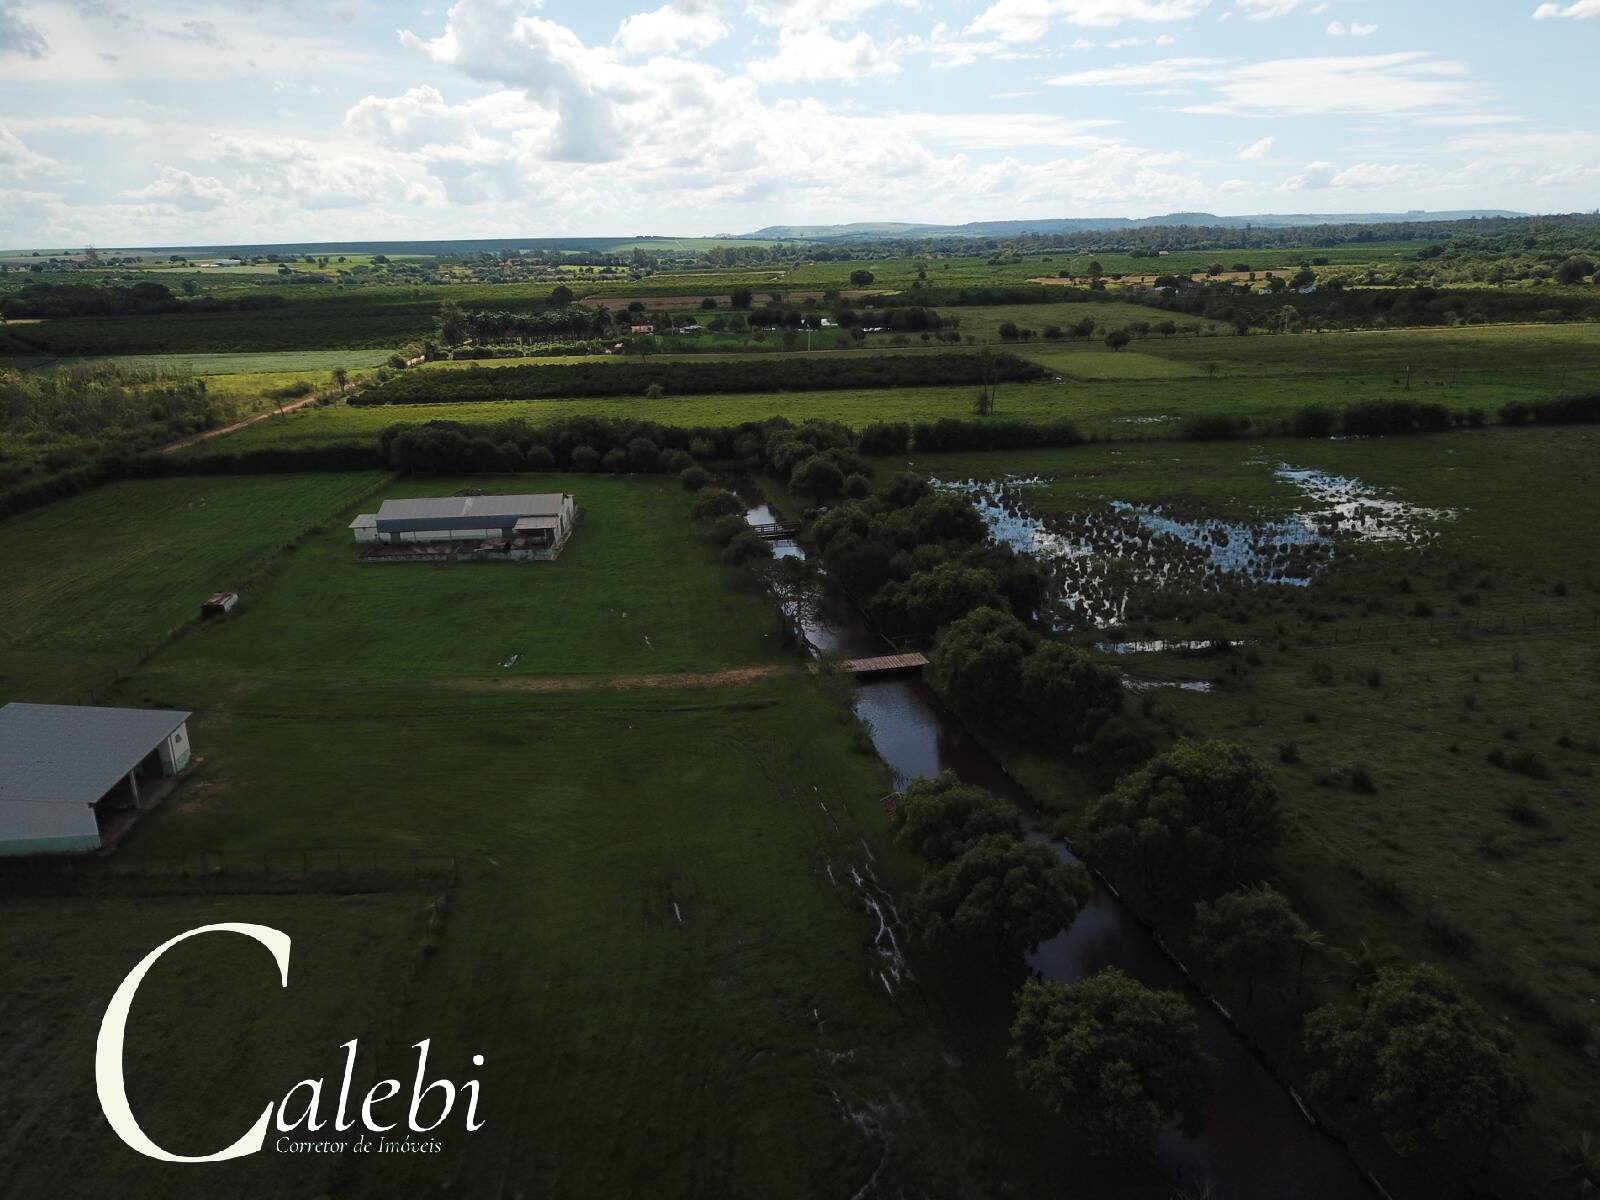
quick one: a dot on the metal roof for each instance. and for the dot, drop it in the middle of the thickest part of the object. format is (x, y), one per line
(74, 754)
(435, 508)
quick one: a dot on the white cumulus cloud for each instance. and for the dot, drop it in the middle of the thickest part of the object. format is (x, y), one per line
(817, 54)
(1030, 20)
(1579, 10)
(1257, 149)
(16, 160)
(184, 192)
(692, 24)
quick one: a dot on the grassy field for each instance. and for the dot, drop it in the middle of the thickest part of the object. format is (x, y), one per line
(111, 574)
(984, 321)
(977, 271)
(1142, 391)
(655, 939)
(1413, 664)
(633, 595)
(212, 1037)
(280, 362)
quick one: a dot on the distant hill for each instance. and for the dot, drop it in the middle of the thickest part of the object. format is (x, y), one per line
(977, 229)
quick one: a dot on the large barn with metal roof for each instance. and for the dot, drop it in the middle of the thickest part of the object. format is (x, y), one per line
(531, 526)
(70, 775)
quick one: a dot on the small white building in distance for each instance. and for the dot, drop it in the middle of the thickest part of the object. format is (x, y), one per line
(536, 524)
(69, 774)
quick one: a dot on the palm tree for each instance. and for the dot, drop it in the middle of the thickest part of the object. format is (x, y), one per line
(1308, 941)
(1367, 963)
(1583, 1167)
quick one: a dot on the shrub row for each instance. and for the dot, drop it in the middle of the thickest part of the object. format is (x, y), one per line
(699, 378)
(1562, 410)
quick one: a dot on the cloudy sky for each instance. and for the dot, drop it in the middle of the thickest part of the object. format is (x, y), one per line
(276, 120)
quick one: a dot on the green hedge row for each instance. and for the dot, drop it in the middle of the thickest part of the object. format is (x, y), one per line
(699, 378)
(1562, 410)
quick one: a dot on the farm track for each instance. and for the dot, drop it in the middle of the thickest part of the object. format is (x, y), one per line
(736, 677)
(208, 435)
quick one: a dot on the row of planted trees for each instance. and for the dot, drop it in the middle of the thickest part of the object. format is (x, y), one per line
(1399, 1048)
(1393, 1047)
(1192, 831)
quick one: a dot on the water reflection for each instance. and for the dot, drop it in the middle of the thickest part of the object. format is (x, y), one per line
(1256, 1144)
(1102, 559)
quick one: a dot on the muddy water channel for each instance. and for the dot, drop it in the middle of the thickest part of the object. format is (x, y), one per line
(1256, 1144)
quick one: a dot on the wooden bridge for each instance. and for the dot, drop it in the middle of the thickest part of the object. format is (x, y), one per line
(775, 530)
(886, 664)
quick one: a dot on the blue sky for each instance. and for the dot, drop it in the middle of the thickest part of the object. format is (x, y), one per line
(279, 120)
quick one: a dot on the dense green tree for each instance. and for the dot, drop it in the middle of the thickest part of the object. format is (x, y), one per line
(1194, 821)
(715, 502)
(747, 546)
(818, 477)
(1003, 894)
(861, 278)
(740, 297)
(977, 665)
(1067, 695)
(931, 599)
(1118, 338)
(452, 323)
(1574, 269)
(1118, 1060)
(1251, 932)
(941, 819)
(1420, 1060)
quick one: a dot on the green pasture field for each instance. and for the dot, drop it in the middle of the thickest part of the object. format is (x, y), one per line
(285, 362)
(106, 577)
(212, 1039)
(344, 423)
(628, 597)
(984, 321)
(1143, 391)
(973, 271)
(654, 941)
(1352, 674)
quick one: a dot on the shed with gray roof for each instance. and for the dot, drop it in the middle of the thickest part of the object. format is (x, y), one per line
(67, 771)
(538, 519)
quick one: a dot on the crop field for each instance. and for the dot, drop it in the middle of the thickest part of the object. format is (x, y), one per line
(1456, 627)
(269, 363)
(627, 905)
(111, 574)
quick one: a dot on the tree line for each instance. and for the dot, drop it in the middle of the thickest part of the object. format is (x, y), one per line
(697, 378)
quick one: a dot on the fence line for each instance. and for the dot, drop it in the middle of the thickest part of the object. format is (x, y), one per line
(1460, 630)
(307, 869)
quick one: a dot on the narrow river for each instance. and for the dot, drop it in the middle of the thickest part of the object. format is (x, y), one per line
(1256, 1143)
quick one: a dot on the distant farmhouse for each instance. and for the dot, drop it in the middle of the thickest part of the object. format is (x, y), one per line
(70, 775)
(486, 528)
